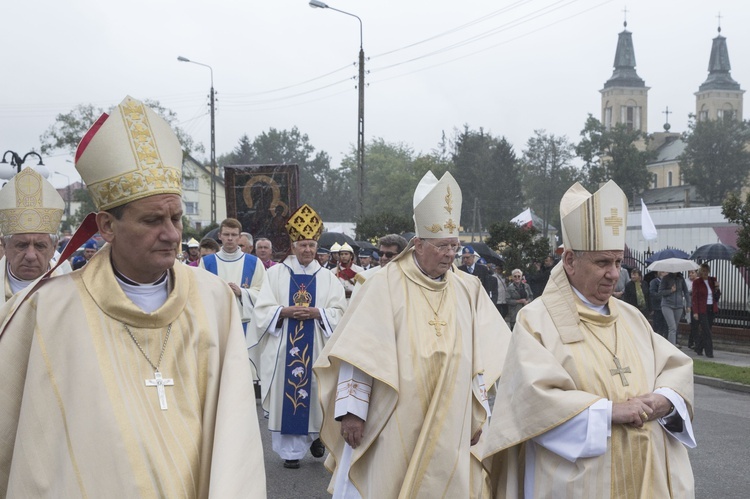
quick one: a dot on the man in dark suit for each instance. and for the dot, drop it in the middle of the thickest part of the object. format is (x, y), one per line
(471, 266)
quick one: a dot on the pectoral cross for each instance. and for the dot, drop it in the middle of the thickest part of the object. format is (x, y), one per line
(621, 371)
(160, 383)
(437, 324)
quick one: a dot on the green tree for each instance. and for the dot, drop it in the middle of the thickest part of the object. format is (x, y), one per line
(614, 154)
(519, 246)
(737, 211)
(87, 206)
(716, 159)
(488, 171)
(69, 128)
(547, 173)
(378, 225)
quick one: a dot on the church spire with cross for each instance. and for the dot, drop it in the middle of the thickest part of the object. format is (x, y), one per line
(719, 97)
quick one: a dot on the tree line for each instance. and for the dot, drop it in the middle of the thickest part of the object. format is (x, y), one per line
(497, 182)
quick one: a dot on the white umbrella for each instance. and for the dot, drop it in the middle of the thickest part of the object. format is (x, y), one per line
(673, 265)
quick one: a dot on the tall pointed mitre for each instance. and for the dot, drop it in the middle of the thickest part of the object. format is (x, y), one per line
(437, 207)
(594, 222)
(304, 224)
(129, 155)
(30, 205)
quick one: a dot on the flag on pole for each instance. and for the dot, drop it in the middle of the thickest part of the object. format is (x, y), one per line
(647, 225)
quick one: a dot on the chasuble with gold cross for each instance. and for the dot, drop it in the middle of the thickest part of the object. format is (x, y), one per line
(566, 359)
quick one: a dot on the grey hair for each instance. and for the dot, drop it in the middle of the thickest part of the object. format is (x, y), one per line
(248, 236)
(263, 239)
(513, 272)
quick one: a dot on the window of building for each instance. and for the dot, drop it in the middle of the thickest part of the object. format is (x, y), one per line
(630, 116)
(191, 208)
(654, 181)
(669, 179)
(608, 118)
(190, 183)
(725, 114)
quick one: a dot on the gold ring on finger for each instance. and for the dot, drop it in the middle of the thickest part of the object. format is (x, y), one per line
(644, 416)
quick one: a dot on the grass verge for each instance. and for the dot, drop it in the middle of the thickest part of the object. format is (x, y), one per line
(722, 371)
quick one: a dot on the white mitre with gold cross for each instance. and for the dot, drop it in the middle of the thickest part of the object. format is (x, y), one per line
(128, 155)
(437, 207)
(30, 205)
(594, 222)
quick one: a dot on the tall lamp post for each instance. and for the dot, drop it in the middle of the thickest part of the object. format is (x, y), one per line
(213, 137)
(17, 161)
(317, 4)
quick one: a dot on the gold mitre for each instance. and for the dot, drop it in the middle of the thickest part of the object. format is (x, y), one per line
(437, 207)
(594, 222)
(129, 155)
(304, 224)
(30, 205)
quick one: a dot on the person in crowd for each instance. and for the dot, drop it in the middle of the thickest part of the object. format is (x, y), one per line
(674, 300)
(129, 378)
(502, 291)
(390, 246)
(595, 404)
(705, 304)
(208, 246)
(694, 327)
(242, 273)
(403, 380)
(298, 309)
(29, 240)
(659, 322)
(346, 271)
(622, 281)
(537, 280)
(519, 294)
(193, 253)
(323, 256)
(264, 251)
(470, 265)
(245, 242)
(636, 293)
(89, 250)
(365, 259)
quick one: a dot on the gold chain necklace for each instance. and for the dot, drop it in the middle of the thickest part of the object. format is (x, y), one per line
(157, 380)
(435, 322)
(620, 370)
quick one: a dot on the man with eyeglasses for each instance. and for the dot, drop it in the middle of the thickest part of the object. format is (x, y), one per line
(390, 246)
(596, 405)
(403, 379)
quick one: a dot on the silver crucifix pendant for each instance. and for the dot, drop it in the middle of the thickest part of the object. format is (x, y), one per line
(160, 383)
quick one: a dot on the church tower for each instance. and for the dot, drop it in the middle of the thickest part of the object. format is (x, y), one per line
(624, 96)
(719, 97)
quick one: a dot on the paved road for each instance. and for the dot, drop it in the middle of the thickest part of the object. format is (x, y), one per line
(720, 462)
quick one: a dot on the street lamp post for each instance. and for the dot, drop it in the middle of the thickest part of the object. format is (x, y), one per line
(213, 137)
(17, 161)
(361, 108)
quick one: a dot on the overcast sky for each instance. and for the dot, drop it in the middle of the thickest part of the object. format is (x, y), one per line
(509, 66)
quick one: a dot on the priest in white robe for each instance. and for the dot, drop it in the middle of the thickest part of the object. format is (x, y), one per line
(595, 404)
(298, 309)
(243, 272)
(30, 214)
(128, 378)
(404, 379)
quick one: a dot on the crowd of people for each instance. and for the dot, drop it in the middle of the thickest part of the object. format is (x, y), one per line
(136, 376)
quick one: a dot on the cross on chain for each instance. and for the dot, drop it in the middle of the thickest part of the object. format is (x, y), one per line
(614, 221)
(621, 371)
(437, 324)
(160, 383)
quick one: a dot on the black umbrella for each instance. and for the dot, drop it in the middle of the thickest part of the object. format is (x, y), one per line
(487, 253)
(327, 239)
(716, 251)
(667, 253)
(408, 235)
(366, 245)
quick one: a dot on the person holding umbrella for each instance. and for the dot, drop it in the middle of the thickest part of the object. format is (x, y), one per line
(674, 298)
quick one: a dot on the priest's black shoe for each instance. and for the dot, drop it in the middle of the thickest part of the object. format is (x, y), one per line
(317, 449)
(292, 464)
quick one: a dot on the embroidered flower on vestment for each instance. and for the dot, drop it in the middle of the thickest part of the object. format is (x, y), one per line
(298, 372)
(302, 393)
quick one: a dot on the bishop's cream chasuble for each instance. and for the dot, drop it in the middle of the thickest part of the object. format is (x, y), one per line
(81, 411)
(424, 343)
(5, 280)
(561, 361)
